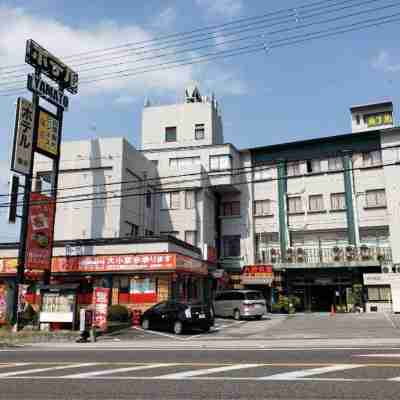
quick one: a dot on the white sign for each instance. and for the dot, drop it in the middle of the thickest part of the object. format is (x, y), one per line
(56, 316)
(23, 138)
(48, 92)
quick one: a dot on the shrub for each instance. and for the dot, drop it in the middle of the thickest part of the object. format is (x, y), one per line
(118, 313)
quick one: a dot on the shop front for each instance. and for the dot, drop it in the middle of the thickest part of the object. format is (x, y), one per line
(259, 277)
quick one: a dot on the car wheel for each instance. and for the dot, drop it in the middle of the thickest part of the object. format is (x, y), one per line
(178, 327)
(258, 317)
(145, 324)
(206, 328)
(236, 315)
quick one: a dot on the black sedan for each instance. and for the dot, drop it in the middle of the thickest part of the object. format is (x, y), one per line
(178, 317)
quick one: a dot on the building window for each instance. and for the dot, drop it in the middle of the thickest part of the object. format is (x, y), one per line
(358, 119)
(379, 293)
(313, 166)
(231, 246)
(148, 199)
(148, 232)
(231, 208)
(316, 202)
(261, 173)
(375, 198)
(170, 200)
(293, 168)
(262, 207)
(190, 199)
(184, 163)
(191, 237)
(221, 162)
(295, 205)
(338, 201)
(155, 163)
(199, 131)
(170, 134)
(133, 229)
(335, 163)
(372, 158)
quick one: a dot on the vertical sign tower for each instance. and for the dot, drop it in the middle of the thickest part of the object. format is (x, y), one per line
(37, 130)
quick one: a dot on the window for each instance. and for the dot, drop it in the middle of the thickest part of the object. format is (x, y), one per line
(358, 119)
(295, 205)
(148, 199)
(231, 208)
(155, 162)
(191, 237)
(338, 201)
(231, 245)
(184, 163)
(170, 200)
(262, 207)
(190, 199)
(220, 162)
(293, 168)
(199, 131)
(335, 163)
(313, 166)
(133, 229)
(316, 202)
(379, 293)
(372, 158)
(375, 198)
(261, 173)
(170, 134)
(148, 232)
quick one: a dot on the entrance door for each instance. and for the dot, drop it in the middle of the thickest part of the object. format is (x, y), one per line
(322, 298)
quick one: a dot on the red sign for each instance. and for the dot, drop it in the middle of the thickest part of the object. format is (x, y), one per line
(100, 301)
(257, 274)
(126, 262)
(40, 232)
(255, 270)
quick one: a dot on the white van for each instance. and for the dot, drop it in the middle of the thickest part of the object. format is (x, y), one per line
(240, 304)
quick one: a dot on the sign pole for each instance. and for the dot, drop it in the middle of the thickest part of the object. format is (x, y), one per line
(24, 219)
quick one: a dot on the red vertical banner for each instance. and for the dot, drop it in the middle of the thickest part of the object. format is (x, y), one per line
(40, 232)
(100, 300)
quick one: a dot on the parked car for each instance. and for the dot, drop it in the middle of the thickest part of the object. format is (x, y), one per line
(240, 304)
(178, 317)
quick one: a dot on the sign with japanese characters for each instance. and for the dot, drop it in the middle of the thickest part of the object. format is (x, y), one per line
(384, 118)
(46, 91)
(51, 66)
(40, 232)
(47, 134)
(100, 301)
(257, 275)
(23, 138)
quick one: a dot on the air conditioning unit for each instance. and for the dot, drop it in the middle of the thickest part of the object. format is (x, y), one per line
(386, 269)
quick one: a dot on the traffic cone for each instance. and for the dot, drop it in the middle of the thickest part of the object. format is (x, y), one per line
(333, 311)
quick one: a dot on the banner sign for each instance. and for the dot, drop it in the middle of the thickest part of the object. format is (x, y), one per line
(22, 290)
(100, 301)
(257, 274)
(47, 92)
(114, 263)
(384, 118)
(23, 138)
(48, 134)
(51, 66)
(40, 232)
(3, 304)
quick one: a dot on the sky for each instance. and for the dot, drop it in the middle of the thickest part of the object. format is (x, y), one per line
(278, 95)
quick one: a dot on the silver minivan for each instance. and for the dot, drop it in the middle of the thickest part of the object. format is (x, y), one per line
(239, 304)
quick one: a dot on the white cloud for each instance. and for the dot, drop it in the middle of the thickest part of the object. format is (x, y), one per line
(227, 84)
(221, 8)
(384, 62)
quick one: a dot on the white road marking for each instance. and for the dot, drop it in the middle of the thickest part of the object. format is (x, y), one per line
(395, 355)
(299, 374)
(53, 368)
(158, 333)
(114, 371)
(198, 372)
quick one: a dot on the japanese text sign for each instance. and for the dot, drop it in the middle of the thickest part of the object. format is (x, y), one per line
(48, 135)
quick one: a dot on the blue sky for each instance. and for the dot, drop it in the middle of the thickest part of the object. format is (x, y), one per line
(291, 93)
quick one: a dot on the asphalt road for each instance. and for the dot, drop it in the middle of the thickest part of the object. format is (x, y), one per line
(186, 368)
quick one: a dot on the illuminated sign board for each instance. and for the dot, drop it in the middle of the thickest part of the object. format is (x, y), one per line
(47, 134)
(51, 66)
(384, 118)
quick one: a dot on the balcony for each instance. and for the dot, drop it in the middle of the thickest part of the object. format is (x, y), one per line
(306, 257)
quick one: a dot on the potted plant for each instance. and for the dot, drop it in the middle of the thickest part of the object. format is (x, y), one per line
(289, 254)
(336, 253)
(300, 254)
(350, 252)
(364, 250)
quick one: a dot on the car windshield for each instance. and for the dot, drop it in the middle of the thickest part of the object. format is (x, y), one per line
(254, 296)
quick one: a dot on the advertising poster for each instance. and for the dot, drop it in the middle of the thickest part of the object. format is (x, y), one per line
(3, 304)
(40, 232)
(48, 135)
(22, 297)
(143, 290)
(100, 301)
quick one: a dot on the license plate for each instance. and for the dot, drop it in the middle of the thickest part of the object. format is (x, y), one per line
(202, 316)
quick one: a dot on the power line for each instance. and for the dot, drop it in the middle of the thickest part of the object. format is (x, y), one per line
(289, 11)
(374, 22)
